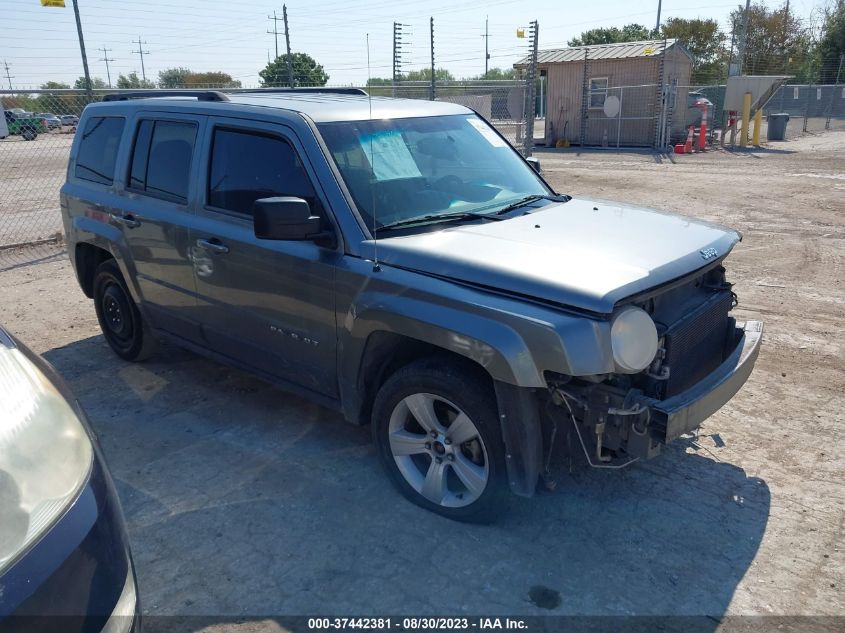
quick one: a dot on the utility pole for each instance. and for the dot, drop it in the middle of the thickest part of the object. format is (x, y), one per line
(742, 42)
(657, 27)
(287, 43)
(88, 90)
(783, 43)
(106, 59)
(8, 76)
(275, 31)
(431, 92)
(486, 37)
(141, 52)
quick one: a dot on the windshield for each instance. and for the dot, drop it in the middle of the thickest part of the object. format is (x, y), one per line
(398, 169)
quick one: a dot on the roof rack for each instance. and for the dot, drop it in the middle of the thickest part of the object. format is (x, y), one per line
(201, 95)
(336, 91)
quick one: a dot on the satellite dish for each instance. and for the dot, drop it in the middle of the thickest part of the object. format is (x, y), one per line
(611, 106)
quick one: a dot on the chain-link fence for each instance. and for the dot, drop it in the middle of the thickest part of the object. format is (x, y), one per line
(39, 126)
(35, 138)
(811, 108)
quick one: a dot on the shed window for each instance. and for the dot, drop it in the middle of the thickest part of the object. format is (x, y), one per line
(598, 91)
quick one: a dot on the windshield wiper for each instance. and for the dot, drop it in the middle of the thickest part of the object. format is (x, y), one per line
(435, 218)
(532, 198)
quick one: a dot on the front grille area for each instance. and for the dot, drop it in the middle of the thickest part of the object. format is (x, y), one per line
(695, 344)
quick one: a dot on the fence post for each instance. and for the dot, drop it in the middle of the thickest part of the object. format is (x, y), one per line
(585, 99)
(807, 107)
(833, 93)
(530, 93)
(660, 103)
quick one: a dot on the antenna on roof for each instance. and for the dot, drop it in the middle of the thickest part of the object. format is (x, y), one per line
(376, 267)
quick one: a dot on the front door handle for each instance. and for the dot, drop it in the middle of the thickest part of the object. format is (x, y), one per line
(127, 220)
(214, 245)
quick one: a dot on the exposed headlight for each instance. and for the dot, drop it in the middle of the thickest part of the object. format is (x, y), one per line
(45, 454)
(634, 339)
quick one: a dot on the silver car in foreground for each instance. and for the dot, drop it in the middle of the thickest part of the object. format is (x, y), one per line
(400, 262)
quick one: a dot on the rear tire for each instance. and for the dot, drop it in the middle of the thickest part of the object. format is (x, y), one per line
(436, 427)
(123, 327)
(29, 134)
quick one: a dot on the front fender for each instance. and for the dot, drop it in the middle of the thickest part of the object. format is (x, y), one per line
(495, 346)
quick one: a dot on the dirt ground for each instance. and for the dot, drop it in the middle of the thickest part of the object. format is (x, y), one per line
(242, 500)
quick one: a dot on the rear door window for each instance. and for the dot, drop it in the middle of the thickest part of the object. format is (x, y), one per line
(98, 147)
(161, 159)
(273, 168)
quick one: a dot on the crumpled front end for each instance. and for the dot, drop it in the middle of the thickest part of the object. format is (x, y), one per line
(703, 358)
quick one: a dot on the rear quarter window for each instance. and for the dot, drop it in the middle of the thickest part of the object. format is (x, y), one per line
(100, 140)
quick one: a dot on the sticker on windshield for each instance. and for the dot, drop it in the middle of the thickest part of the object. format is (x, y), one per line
(494, 139)
(389, 156)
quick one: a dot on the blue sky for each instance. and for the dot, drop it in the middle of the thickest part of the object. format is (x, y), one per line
(40, 44)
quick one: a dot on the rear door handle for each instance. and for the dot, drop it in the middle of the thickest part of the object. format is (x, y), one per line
(128, 220)
(214, 245)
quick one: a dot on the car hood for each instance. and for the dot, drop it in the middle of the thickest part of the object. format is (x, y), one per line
(583, 253)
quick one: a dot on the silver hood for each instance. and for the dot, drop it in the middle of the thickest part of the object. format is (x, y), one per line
(582, 253)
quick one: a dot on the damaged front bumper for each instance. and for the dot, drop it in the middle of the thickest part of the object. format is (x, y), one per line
(616, 426)
(686, 411)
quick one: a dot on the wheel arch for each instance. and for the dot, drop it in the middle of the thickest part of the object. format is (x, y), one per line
(87, 257)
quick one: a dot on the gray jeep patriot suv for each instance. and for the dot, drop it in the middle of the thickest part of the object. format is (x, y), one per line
(398, 261)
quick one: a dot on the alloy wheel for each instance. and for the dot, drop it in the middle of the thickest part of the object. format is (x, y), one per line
(438, 450)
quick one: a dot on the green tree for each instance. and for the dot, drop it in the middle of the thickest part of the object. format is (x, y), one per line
(58, 103)
(831, 45)
(133, 81)
(495, 74)
(96, 83)
(306, 71)
(777, 43)
(379, 81)
(706, 43)
(173, 77)
(211, 79)
(440, 74)
(612, 35)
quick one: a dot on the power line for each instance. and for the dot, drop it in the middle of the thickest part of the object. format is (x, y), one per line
(141, 52)
(107, 59)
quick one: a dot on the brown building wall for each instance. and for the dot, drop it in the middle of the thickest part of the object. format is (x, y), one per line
(633, 81)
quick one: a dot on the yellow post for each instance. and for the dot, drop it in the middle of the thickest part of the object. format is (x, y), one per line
(758, 121)
(746, 119)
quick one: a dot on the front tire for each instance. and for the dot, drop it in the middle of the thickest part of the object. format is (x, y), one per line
(29, 134)
(436, 428)
(123, 327)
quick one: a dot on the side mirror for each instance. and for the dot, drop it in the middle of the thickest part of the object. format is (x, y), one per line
(534, 162)
(284, 218)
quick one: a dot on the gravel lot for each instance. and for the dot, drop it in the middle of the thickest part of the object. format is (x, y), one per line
(243, 500)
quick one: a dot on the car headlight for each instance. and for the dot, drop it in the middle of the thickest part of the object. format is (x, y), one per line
(45, 454)
(633, 338)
